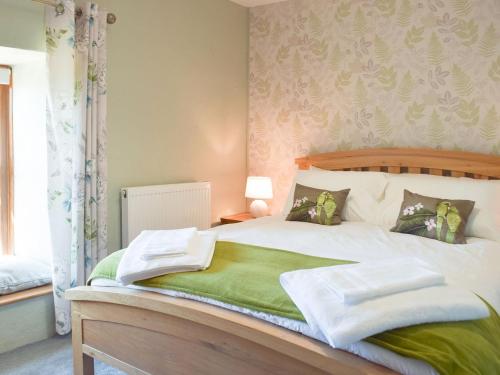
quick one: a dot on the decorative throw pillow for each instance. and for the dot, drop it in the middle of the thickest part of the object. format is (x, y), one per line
(436, 218)
(317, 206)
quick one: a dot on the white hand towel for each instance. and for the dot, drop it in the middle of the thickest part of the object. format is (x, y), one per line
(173, 253)
(198, 256)
(159, 243)
(354, 283)
(343, 324)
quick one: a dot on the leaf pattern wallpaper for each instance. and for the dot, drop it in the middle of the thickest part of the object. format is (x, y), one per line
(330, 75)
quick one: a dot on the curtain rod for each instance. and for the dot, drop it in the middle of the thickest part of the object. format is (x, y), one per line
(111, 18)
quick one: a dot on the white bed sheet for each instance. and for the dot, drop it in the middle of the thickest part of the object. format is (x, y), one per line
(472, 266)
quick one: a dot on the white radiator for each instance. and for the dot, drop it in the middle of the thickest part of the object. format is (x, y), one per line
(164, 207)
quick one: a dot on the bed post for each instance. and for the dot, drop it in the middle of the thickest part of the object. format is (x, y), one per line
(83, 364)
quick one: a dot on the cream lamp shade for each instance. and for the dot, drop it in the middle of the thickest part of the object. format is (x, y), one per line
(259, 188)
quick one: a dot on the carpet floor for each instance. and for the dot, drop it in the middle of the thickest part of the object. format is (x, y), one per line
(48, 357)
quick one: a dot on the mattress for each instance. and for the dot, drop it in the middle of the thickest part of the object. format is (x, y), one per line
(471, 266)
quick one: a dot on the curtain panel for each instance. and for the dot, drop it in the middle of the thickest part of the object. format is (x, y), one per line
(76, 136)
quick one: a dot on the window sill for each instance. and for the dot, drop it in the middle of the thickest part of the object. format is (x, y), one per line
(25, 294)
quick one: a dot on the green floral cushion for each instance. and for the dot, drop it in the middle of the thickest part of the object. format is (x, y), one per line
(317, 206)
(436, 218)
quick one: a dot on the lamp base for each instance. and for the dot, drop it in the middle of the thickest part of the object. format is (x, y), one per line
(259, 208)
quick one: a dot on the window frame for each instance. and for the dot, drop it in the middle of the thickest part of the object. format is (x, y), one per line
(6, 167)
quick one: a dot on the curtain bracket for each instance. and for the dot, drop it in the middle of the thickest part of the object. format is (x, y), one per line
(59, 9)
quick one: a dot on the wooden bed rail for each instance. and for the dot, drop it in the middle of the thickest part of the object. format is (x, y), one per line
(408, 160)
(149, 333)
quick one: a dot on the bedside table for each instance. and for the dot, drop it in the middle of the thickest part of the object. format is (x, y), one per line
(237, 218)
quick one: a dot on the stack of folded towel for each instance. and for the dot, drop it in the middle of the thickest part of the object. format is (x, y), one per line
(156, 253)
(345, 304)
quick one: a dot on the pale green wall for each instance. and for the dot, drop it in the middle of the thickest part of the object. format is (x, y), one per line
(21, 24)
(177, 101)
(25, 322)
(177, 94)
(177, 105)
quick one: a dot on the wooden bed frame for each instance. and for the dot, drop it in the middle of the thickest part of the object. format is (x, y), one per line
(148, 333)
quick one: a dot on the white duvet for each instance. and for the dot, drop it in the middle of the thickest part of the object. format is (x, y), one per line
(473, 266)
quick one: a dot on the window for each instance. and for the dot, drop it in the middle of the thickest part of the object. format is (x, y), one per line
(24, 220)
(6, 163)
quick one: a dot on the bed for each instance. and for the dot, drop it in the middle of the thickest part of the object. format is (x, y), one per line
(142, 331)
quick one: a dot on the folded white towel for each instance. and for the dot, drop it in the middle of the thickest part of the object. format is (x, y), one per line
(343, 324)
(159, 243)
(169, 254)
(354, 283)
(198, 256)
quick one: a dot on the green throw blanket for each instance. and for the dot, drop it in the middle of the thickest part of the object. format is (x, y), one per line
(248, 276)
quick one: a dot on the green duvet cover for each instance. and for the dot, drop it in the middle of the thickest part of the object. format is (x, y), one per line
(248, 276)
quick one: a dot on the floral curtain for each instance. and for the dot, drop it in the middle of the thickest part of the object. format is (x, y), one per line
(76, 127)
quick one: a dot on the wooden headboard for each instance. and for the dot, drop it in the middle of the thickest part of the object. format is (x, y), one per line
(408, 160)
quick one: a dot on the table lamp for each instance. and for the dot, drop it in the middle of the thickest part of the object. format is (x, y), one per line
(259, 188)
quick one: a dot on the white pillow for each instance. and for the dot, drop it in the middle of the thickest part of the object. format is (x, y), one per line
(17, 273)
(484, 221)
(367, 190)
